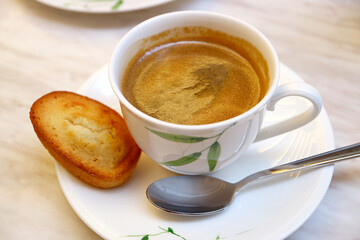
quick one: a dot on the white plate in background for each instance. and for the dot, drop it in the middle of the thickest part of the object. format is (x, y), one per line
(103, 6)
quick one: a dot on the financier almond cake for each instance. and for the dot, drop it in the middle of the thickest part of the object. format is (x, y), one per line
(86, 137)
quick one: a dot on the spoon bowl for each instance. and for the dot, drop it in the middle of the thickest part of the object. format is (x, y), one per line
(191, 195)
(205, 195)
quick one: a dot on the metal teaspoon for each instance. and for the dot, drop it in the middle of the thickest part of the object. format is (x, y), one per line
(204, 195)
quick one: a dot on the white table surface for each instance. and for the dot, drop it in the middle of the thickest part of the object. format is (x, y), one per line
(44, 49)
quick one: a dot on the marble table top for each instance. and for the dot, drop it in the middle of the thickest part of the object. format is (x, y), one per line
(44, 49)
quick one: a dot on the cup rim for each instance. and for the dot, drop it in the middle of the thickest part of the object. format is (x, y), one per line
(175, 126)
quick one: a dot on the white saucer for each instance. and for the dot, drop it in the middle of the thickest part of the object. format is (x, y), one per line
(102, 6)
(265, 210)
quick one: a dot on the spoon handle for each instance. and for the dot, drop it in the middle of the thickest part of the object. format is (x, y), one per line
(319, 160)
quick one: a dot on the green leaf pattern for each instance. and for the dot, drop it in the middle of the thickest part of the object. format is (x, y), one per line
(184, 160)
(115, 4)
(177, 138)
(213, 155)
(214, 150)
(153, 235)
(170, 231)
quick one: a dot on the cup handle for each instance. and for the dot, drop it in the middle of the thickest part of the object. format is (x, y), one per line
(300, 89)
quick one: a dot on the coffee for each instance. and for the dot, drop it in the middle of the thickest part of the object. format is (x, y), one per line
(195, 75)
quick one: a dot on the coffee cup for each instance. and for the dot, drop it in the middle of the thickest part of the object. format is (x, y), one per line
(206, 147)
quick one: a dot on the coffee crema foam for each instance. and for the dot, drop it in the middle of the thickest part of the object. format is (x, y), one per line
(192, 82)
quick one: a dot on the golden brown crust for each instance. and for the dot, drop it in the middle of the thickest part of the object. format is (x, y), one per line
(86, 137)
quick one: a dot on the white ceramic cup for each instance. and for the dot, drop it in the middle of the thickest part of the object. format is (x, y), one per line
(201, 149)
